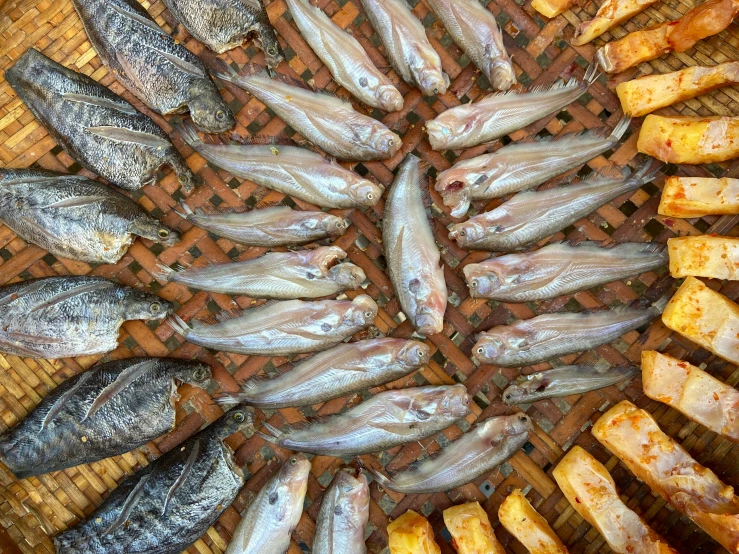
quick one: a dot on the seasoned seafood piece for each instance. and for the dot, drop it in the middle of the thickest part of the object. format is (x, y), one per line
(699, 196)
(704, 256)
(343, 516)
(610, 14)
(522, 521)
(689, 140)
(471, 531)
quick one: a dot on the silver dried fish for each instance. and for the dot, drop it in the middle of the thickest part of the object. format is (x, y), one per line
(343, 516)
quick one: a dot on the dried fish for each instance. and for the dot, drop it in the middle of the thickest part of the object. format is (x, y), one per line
(561, 268)
(475, 31)
(275, 512)
(73, 217)
(226, 24)
(196, 489)
(406, 45)
(283, 275)
(275, 226)
(531, 216)
(164, 74)
(343, 516)
(61, 317)
(281, 328)
(520, 166)
(298, 172)
(342, 370)
(550, 335)
(387, 419)
(410, 249)
(344, 57)
(563, 381)
(499, 114)
(328, 122)
(476, 453)
(95, 126)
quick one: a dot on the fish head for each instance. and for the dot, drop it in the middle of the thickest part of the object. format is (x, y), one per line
(440, 133)
(151, 229)
(209, 112)
(333, 225)
(517, 424)
(430, 80)
(383, 140)
(266, 40)
(366, 193)
(347, 275)
(495, 429)
(294, 474)
(456, 401)
(429, 321)
(454, 187)
(237, 419)
(352, 496)
(363, 311)
(414, 354)
(515, 394)
(488, 347)
(141, 305)
(502, 74)
(194, 373)
(389, 98)
(467, 233)
(482, 282)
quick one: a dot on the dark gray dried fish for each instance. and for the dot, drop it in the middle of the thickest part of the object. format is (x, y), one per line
(60, 317)
(275, 512)
(73, 217)
(225, 24)
(95, 126)
(168, 505)
(343, 516)
(563, 381)
(165, 75)
(477, 452)
(108, 410)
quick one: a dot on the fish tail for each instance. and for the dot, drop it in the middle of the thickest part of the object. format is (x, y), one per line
(275, 434)
(188, 132)
(163, 273)
(381, 479)
(620, 129)
(660, 305)
(591, 73)
(229, 399)
(646, 171)
(186, 212)
(178, 324)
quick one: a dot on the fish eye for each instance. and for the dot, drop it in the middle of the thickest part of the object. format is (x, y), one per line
(155, 307)
(436, 91)
(239, 417)
(340, 224)
(473, 284)
(370, 196)
(163, 233)
(508, 396)
(481, 350)
(368, 314)
(391, 142)
(182, 178)
(271, 50)
(293, 461)
(421, 354)
(199, 375)
(220, 115)
(463, 233)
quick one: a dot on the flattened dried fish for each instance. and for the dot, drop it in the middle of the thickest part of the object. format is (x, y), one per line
(531, 216)
(520, 166)
(73, 217)
(336, 372)
(475, 31)
(550, 335)
(301, 173)
(344, 57)
(195, 488)
(61, 317)
(387, 419)
(406, 45)
(59, 434)
(283, 275)
(343, 516)
(328, 122)
(164, 74)
(275, 226)
(226, 24)
(95, 126)
(476, 453)
(561, 268)
(414, 261)
(281, 328)
(275, 512)
(563, 381)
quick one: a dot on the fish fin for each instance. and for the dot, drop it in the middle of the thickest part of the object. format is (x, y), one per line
(381, 479)
(178, 324)
(186, 470)
(184, 65)
(17, 335)
(229, 399)
(121, 382)
(660, 305)
(186, 212)
(60, 402)
(75, 291)
(190, 135)
(620, 129)
(163, 273)
(128, 505)
(119, 134)
(76, 202)
(143, 20)
(107, 103)
(647, 171)
(274, 433)
(41, 229)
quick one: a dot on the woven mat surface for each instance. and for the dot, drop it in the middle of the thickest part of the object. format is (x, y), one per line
(32, 509)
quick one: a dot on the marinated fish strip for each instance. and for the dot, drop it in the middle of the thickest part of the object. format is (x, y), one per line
(298, 172)
(564, 381)
(281, 328)
(610, 14)
(275, 226)
(636, 439)
(499, 114)
(704, 256)
(60, 317)
(414, 261)
(531, 216)
(64, 431)
(226, 24)
(164, 74)
(522, 521)
(131, 518)
(547, 336)
(387, 419)
(491, 443)
(283, 275)
(520, 166)
(699, 196)
(328, 122)
(343, 516)
(475, 31)
(95, 126)
(406, 45)
(560, 268)
(344, 57)
(342, 370)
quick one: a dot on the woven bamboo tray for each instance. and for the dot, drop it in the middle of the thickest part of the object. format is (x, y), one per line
(32, 509)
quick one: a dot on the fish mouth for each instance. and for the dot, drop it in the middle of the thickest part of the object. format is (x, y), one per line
(429, 324)
(439, 135)
(503, 76)
(390, 99)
